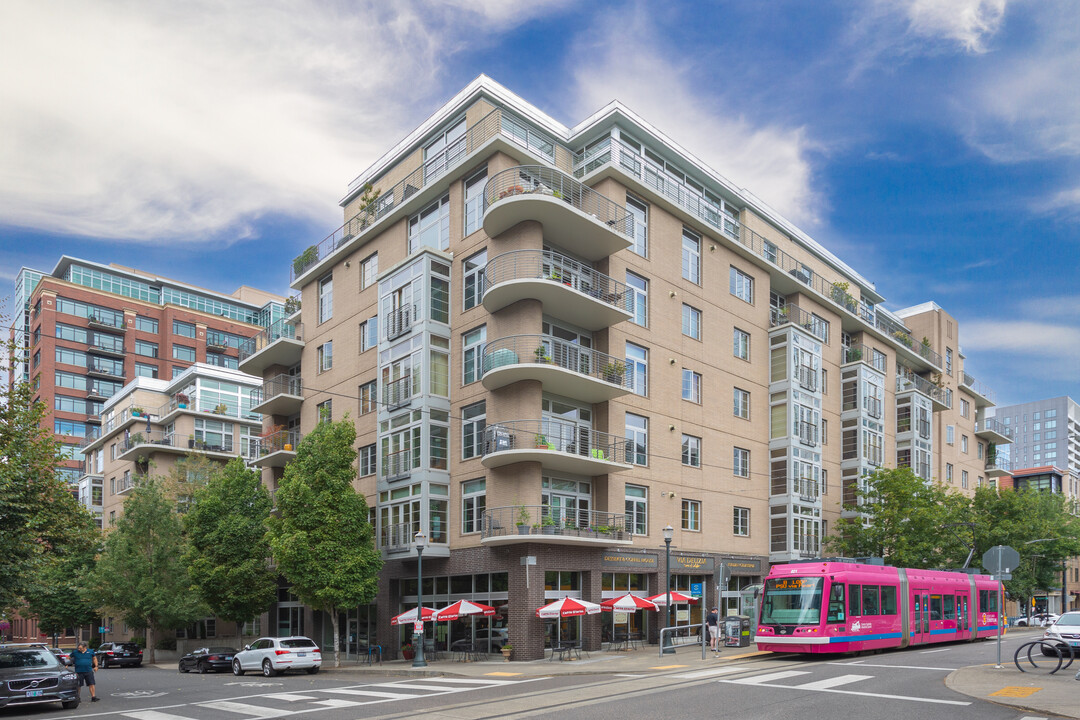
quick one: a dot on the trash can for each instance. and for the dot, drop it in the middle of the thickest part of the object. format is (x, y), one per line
(736, 631)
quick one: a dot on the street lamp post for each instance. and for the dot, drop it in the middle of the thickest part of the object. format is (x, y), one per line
(419, 540)
(669, 532)
(1034, 567)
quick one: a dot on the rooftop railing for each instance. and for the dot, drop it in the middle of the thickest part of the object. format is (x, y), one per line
(537, 179)
(549, 350)
(556, 436)
(792, 313)
(277, 331)
(546, 520)
(553, 266)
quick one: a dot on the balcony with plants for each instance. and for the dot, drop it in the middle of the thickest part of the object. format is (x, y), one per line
(571, 213)
(567, 288)
(556, 445)
(907, 381)
(564, 368)
(794, 315)
(554, 526)
(281, 395)
(276, 447)
(279, 344)
(997, 466)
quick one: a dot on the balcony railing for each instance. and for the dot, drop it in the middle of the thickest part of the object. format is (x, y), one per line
(910, 381)
(390, 198)
(401, 536)
(281, 384)
(537, 179)
(557, 436)
(807, 378)
(977, 387)
(807, 545)
(107, 369)
(546, 520)
(278, 441)
(806, 432)
(858, 352)
(398, 322)
(549, 350)
(992, 425)
(397, 393)
(806, 488)
(548, 265)
(400, 463)
(793, 314)
(205, 403)
(153, 437)
(277, 331)
(998, 463)
(115, 323)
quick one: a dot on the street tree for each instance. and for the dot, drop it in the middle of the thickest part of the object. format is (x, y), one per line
(320, 537)
(228, 552)
(139, 575)
(55, 595)
(901, 519)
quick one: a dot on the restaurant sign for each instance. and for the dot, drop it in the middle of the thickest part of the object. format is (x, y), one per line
(623, 561)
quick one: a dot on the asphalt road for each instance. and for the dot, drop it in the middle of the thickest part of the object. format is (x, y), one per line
(901, 684)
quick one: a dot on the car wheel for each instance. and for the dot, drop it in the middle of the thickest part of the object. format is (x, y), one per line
(70, 704)
(138, 664)
(313, 670)
(104, 664)
(268, 669)
(237, 669)
(181, 667)
(203, 669)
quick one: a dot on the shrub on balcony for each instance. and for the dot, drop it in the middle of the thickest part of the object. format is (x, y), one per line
(305, 259)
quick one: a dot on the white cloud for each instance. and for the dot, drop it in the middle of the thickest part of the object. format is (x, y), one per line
(967, 23)
(143, 120)
(767, 157)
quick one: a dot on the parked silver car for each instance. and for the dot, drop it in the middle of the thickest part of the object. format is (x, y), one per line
(30, 674)
(274, 655)
(1064, 633)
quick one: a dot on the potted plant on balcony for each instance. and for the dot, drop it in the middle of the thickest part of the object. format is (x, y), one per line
(542, 355)
(136, 412)
(522, 520)
(613, 372)
(305, 259)
(511, 191)
(547, 525)
(840, 291)
(506, 649)
(136, 439)
(182, 401)
(221, 409)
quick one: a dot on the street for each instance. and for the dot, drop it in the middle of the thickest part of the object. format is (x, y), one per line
(907, 683)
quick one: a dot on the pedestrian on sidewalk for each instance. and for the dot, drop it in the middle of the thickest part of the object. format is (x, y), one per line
(85, 663)
(713, 621)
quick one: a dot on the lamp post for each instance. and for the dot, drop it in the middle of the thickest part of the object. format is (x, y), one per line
(1034, 567)
(669, 532)
(419, 540)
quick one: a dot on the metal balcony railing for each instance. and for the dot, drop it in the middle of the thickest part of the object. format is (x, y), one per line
(548, 265)
(547, 520)
(806, 432)
(390, 198)
(996, 462)
(537, 179)
(401, 536)
(806, 488)
(398, 322)
(807, 545)
(977, 387)
(549, 350)
(872, 405)
(113, 322)
(278, 441)
(400, 463)
(858, 352)
(276, 331)
(107, 369)
(397, 393)
(992, 425)
(793, 314)
(906, 382)
(153, 437)
(281, 384)
(557, 436)
(808, 378)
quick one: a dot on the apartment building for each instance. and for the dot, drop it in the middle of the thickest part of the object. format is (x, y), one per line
(85, 329)
(1044, 432)
(557, 342)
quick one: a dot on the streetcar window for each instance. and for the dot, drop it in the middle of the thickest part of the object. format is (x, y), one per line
(935, 607)
(792, 601)
(950, 607)
(854, 600)
(888, 599)
(870, 600)
(987, 601)
(836, 603)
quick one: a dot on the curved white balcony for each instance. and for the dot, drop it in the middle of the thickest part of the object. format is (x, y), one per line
(556, 446)
(564, 368)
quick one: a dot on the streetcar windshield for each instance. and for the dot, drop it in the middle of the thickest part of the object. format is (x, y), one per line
(792, 601)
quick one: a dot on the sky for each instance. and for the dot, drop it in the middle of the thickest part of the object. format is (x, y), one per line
(933, 145)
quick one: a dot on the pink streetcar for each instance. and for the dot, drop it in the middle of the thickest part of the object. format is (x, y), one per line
(826, 606)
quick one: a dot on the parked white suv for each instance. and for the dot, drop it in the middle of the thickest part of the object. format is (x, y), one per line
(1064, 633)
(274, 655)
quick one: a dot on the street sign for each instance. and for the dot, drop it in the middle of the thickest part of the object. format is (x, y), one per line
(697, 589)
(1002, 576)
(418, 627)
(1000, 559)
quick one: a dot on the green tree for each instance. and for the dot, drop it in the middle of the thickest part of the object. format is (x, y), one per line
(56, 595)
(321, 538)
(228, 553)
(901, 519)
(140, 576)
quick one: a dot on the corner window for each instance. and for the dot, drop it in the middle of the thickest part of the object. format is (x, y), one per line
(431, 226)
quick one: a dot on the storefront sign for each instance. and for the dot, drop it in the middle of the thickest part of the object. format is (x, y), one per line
(693, 563)
(743, 567)
(620, 618)
(682, 616)
(635, 561)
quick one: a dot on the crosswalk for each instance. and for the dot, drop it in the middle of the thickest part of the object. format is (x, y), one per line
(283, 704)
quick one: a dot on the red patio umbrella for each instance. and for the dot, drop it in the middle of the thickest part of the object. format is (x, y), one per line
(567, 607)
(677, 598)
(462, 608)
(628, 603)
(409, 616)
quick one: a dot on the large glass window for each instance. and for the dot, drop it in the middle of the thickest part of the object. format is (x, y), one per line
(146, 348)
(474, 279)
(691, 256)
(637, 509)
(473, 344)
(639, 298)
(474, 201)
(326, 298)
(637, 363)
(431, 226)
(183, 329)
(691, 450)
(639, 211)
(637, 433)
(691, 322)
(473, 421)
(146, 324)
(741, 285)
(183, 352)
(473, 504)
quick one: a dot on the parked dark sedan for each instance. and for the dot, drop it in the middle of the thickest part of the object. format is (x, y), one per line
(208, 658)
(30, 674)
(119, 653)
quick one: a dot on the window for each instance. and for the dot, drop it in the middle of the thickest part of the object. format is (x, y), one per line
(439, 362)
(637, 364)
(183, 329)
(474, 201)
(326, 298)
(146, 349)
(639, 299)
(431, 226)
(819, 327)
(325, 411)
(369, 270)
(691, 322)
(473, 504)
(742, 344)
(740, 462)
(369, 397)
(369, 333)
(637, 509)
(740, 521)
(146, 324)
(474, 279)
(366, 460)
(742, 404)
(637, 432)
(473, 343)
(741, 285)
(691, 257)
(183, 352)
(948, 472)
(691, 515)
(691, 386)
(950, 434)
(965, 408)
(473, 422)
(964, 479)
(963, 443)
(948, 361)
(639, 212)
(325, 356)
(691, 451)
(980, 450)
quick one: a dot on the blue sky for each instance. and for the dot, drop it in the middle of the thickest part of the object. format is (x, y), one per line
(934, 145)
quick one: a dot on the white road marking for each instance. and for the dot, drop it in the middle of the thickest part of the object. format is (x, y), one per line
(833, 682)
(898, 667)
(414, 686)
(759, 679)
(850, 692)
(712, 672)
(289, 697)
(153, 715)
(927, 652)
(337, 703)
(372, 693)
(244, 709)
(472, 681)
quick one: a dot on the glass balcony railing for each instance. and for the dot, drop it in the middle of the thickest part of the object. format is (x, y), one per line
(977, 387)
(277, 331)
(281, 384)
(991, 425)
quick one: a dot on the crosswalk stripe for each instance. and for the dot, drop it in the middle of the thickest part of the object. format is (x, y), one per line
(415, 686)
(471, 681)
(289, 697)
(711, 672)
(757, 679)
(833, 682)
(372, 693)
(153, 715)
(337, 703)
(245, 709)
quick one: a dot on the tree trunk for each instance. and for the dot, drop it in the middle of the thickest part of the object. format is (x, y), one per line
(334, 622)
(150, 643)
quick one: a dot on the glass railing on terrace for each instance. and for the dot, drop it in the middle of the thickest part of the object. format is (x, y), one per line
(556, 436)
(548, 265)
(549, 350)
(389, 198)
(540, 180)
(278, 441)
(210, 402)
(277, 331)
(792, 313)
(281, 384)
(858, 352)
(996, 462)
(977, 387)
(992, 425)
(909, 381)
(547, 520)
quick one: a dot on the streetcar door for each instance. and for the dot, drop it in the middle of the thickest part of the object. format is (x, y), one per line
(920, 615)
(961, 612)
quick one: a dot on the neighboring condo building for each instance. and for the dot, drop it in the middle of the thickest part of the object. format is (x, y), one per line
(86, 329)
(557, 341)
(1045, 432)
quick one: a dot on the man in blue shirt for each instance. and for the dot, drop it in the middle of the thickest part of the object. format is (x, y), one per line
(84, 661)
